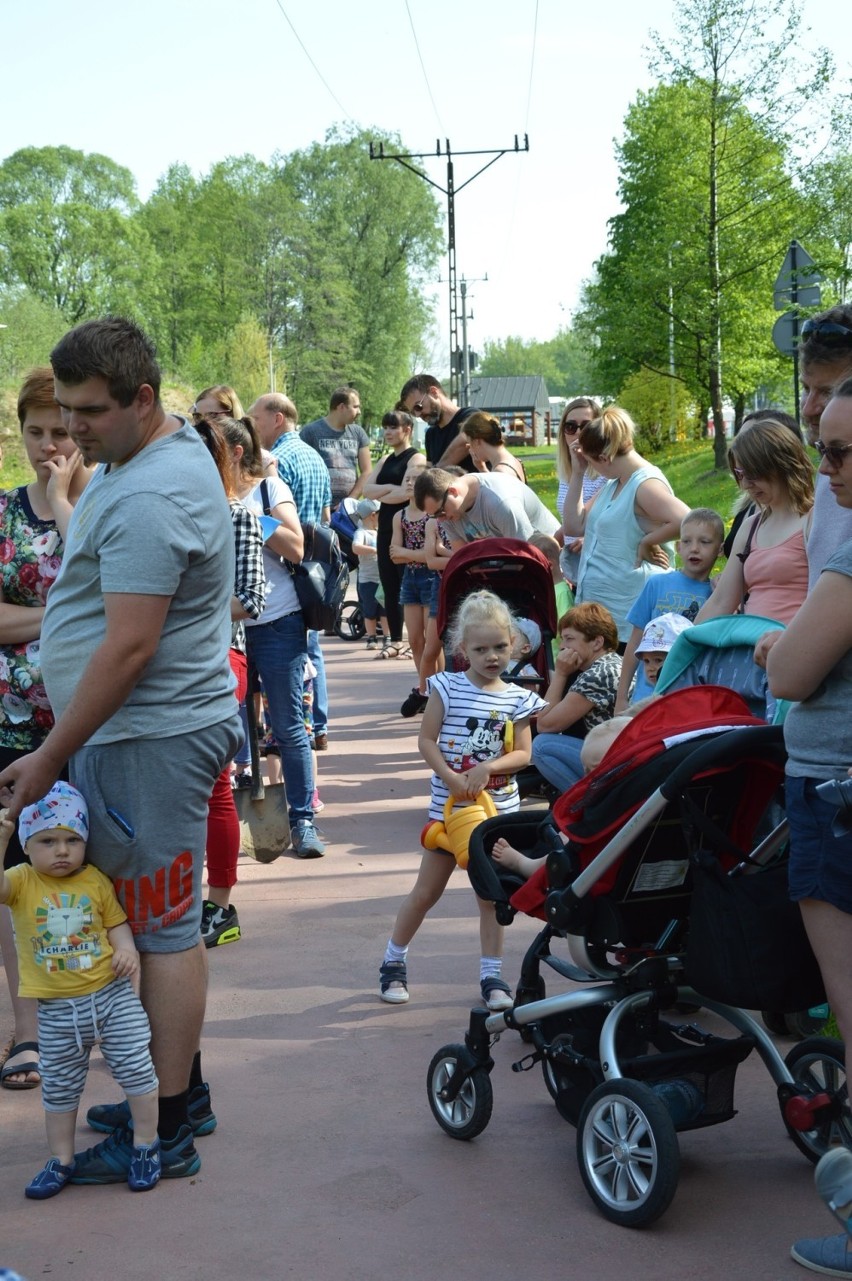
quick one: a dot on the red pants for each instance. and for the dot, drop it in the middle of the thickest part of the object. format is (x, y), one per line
(223, 826)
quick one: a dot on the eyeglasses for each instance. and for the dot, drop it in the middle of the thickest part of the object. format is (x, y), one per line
(211, 415)
(572, 426)
(832, 454)
(441, 511)
(826, 329)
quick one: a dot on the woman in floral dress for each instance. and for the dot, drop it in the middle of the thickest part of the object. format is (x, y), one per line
(33, 523)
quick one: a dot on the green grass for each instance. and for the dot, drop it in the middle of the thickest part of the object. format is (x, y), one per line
(688, 466)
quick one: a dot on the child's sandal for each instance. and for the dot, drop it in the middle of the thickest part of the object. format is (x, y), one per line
(394, 982)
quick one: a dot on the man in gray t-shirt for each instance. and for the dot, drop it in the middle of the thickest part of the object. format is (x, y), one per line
(482, 506)
(342, 444)
(134, 648)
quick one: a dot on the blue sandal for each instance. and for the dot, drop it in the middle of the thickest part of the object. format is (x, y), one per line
(49, 1181)
(393, 972)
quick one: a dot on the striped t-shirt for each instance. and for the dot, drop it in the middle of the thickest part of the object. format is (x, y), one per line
(479, 726)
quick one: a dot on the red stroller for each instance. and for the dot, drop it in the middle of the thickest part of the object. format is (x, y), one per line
(665, 881)
(516, 572)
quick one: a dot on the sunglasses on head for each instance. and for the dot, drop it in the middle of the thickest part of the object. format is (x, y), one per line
(832, 454)
(828, 329)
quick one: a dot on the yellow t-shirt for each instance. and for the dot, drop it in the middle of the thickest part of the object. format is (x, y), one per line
(61, 925)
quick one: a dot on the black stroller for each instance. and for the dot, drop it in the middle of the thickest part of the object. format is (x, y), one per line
(666, 884)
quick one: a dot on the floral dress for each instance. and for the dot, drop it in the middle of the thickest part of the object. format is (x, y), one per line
(30, 556)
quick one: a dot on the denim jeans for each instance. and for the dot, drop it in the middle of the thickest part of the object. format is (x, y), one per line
(320, 688)
(557, 758)
(279, 650)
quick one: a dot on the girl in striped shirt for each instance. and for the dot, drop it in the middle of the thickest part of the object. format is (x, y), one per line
(475, 735)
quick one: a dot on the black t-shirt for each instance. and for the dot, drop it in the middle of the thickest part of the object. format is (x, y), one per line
(392, 472)
(439, 439)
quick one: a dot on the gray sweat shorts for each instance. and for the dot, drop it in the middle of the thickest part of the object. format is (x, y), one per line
(148, 802)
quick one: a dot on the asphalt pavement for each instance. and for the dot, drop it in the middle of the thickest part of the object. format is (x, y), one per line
(326, 1162)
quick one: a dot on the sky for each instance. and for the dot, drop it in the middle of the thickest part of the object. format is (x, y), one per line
(190, 81)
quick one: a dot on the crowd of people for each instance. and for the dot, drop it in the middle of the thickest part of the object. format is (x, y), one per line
(173, 598)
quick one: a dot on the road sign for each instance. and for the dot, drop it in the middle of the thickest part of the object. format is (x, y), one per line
(785, 332)
(798, 280)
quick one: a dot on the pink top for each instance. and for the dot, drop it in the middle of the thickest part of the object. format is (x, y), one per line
(776, 579)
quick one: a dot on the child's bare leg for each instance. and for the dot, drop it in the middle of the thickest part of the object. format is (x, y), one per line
(435, 871)
(60, 1127)
(513, 860)
(432, 660)
(145, 1110)
(415, 626)
(490, 933)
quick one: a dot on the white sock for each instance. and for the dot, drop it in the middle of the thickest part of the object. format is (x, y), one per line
(490, 967)
(394, 953)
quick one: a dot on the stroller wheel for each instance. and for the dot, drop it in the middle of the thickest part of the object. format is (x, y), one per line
(350, 622)
(819, 1065)
(469, 1112)
(628, 1153)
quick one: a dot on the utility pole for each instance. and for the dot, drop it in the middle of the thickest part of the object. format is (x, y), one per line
(465, 350)
(450, 191)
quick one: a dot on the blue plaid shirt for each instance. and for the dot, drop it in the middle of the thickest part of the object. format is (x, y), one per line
(303, 469)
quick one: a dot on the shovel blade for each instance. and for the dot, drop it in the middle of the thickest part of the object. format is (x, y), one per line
(264, 826)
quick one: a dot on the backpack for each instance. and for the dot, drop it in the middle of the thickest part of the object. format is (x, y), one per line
(321, 577)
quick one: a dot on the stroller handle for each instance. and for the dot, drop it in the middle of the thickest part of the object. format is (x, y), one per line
(766, 741)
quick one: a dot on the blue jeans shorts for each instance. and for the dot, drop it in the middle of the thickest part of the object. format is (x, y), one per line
(820, 862)
(416, 586)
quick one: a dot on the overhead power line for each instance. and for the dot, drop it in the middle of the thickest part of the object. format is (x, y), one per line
(423, 68)
(311, 61)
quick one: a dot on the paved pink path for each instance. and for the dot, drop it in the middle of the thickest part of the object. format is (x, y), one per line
(327, 1162)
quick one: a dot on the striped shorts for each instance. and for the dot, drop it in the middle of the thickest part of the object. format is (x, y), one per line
(69, 1027)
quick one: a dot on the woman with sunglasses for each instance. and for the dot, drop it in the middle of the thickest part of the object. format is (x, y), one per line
(767, 573)
(629, 528)
(575, 415)
(811, 664)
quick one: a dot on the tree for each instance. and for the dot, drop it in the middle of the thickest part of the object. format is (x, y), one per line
(67, 232)
(32, 329)
(564, 362)
(707, 167)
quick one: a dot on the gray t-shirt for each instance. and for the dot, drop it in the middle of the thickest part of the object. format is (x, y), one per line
(818, 731)
(831, 525)
(159, 525)
(339, 451)
(503, 508)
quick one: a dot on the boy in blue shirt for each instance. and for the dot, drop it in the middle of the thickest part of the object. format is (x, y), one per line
(680, 591)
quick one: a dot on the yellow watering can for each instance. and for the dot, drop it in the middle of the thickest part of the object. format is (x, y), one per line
(455, 832)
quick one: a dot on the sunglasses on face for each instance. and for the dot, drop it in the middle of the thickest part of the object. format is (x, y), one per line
(572, 426)
(442, 509)
(742, 476)
(832, 454)
(211, 415)
(827, 329)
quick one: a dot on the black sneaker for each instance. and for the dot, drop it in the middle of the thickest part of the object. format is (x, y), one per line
(110, 1161)
(414, 704)
(106, 1117)
(219, 925)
